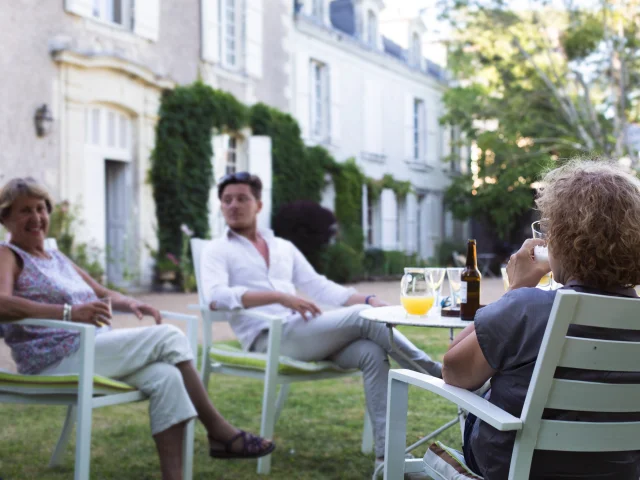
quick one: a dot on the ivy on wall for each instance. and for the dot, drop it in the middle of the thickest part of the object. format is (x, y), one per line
(181, 167)
(297, 173)
(182, 174)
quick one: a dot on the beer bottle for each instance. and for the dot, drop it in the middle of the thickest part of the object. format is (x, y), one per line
(470, 287)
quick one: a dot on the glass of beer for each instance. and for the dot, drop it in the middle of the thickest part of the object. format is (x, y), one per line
(541, 254)
(417, 293)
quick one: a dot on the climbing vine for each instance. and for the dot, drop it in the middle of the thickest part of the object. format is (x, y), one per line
(181, 164)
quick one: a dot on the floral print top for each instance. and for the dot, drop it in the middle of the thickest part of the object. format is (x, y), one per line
(46, 280)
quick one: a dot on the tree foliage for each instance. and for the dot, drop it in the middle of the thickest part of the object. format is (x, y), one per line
(535, 86)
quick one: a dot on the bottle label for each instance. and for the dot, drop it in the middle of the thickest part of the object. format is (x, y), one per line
(463, 292)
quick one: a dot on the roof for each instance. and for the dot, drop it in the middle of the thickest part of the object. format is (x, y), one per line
(343, 18)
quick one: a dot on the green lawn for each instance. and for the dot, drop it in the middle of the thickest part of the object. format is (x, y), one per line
(318, 435)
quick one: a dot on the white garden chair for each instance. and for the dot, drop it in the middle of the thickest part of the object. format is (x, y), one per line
(85, 391)
(557, 350)
(271, 368)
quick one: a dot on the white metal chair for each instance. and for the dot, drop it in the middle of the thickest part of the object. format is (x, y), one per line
(85, 392)
(273, 369)
(557, 350)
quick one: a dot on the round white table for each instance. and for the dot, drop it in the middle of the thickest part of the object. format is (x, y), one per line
(393, 316)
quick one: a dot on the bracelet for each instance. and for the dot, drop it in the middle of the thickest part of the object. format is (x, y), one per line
(66, 313)
(369, 297)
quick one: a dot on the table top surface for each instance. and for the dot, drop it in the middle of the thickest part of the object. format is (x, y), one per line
(396, 315)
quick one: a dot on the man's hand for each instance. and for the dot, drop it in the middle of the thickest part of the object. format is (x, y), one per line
(141, 309)
(376, 302)
(523, 270)
(304, 307)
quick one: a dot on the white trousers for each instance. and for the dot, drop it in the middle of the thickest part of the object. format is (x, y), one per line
(351, 341)
(144, 358)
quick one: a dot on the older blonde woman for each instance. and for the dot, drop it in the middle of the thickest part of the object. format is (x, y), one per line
(39, 283)
(591, 211)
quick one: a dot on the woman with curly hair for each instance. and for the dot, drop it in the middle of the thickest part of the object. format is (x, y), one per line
(591, 213)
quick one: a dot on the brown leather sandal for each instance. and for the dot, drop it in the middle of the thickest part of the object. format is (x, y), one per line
(251, 447)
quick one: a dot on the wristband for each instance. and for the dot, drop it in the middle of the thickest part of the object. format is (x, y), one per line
(66, 313)
(369, 297)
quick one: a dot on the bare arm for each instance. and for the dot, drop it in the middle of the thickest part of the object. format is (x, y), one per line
(464, 364)
(469, 329)
(15, 308)
(119, 301)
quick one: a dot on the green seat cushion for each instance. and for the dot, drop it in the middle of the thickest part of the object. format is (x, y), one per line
(233, 356)
(42, 384)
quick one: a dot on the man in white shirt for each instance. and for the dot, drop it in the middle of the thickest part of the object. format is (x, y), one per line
(249, 268)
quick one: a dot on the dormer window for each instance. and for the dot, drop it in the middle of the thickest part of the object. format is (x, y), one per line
(372, 29)
(317, 8)
(416, 50)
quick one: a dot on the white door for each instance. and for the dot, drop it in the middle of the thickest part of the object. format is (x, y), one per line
(117, 208)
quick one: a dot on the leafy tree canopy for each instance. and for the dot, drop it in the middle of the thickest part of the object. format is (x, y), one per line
(536, 83)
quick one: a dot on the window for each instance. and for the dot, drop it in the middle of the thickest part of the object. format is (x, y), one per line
(114, 11)
(319, 100)
(372, 29)
(230, 32)
(317, 8)
(416, 50)
(231, 163)
(418, 130)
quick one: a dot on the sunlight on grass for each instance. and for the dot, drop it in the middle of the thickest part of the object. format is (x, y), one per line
(318, 435)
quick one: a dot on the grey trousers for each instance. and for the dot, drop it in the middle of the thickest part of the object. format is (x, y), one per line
(350, 341)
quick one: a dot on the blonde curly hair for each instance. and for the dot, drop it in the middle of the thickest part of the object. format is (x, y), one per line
(591, 212)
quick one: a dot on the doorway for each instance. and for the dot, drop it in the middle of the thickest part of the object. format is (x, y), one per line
(117, 216)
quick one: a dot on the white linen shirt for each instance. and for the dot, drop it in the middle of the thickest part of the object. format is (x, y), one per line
(230, 266)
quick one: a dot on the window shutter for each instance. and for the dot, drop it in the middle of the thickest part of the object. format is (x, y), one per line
(408, 127)
(210, 38)
(333, 104)
(412, 212)
(389, 211)
(147, 19)
(260, 164)
(83, 8)
(253, 42)
(303, 94)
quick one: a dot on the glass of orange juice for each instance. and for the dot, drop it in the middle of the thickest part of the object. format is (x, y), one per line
(417, 293)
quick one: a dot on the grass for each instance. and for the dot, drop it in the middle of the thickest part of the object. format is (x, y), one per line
(318, 435)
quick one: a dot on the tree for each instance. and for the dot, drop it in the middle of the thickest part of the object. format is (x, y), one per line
(536, 86)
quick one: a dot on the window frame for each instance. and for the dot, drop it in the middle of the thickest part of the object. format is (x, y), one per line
(372, 29)
(416, 50)
(231, 32)
(419, 130)
(320, 100)
(104, 11)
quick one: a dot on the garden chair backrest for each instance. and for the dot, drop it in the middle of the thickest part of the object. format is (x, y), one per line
(197, 245)
(546, 392)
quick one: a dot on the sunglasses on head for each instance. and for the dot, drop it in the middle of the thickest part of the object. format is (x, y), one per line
(235, 177)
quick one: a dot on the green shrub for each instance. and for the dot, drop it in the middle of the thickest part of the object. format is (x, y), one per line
(342, 263)
(379, 262)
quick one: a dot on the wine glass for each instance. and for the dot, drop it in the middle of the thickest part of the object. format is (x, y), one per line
(418, 295)
(541, 254)
(435, 276)
(455, 282)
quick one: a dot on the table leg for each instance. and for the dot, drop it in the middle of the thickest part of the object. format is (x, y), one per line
(459, 418)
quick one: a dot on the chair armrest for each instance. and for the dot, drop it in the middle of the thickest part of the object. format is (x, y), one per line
(248, 313)
(192, 327)
(481, 408)
(42, 322)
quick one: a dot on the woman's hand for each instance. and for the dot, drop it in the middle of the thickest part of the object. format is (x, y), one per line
(523, 269)
(94, 313)
(141, 309)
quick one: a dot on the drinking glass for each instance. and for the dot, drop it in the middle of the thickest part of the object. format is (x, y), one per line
(435, 276)
(418, 295)
(107, 301)
(541, 254)
(505, 278)
(455, 282)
